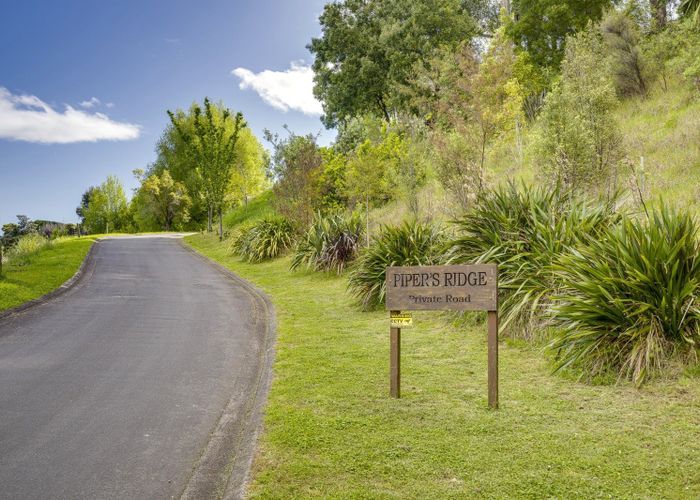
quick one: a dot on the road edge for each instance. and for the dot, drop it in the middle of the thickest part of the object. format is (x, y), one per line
(241, 456)
(85, 266)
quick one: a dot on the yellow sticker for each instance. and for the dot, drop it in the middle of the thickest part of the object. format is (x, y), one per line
(401, 319)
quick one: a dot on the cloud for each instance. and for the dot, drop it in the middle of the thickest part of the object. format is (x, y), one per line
(90, 103)
(28, 118)
(110, 105)
(284, 90)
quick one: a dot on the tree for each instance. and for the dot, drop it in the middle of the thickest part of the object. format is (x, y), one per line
(163, 200)
(540, 27)
(107, 207)
(84, 203)
(248, 175)
(368, 50)
(296, 162)
(210, 147)
(629, 65)
(578, 139)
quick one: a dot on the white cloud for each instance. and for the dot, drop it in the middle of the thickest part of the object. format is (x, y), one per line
(110, 105)
(284, 90)
(90, 103)
(28, 118)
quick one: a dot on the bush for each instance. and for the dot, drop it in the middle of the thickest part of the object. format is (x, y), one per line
(631, 298)
(410, 244)
(329, 244)
(265, 239)
(525, 231)
(26, 247)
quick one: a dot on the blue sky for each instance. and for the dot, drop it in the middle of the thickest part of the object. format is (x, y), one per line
(84, 86)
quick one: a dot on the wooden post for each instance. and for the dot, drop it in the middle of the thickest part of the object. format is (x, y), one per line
(493, 359)
(395, 363)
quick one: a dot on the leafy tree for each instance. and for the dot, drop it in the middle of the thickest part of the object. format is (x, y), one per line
(248, 175)
(107, 207)
(369, 48)
(578, 139)
(162, 200)
(13, 232)
(540, 27)
(295, 165)
(84, 203)
(210, 147)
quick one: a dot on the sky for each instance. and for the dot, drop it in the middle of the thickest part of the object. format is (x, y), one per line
(84, 86)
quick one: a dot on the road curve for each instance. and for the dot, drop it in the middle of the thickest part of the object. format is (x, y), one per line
(146, 380)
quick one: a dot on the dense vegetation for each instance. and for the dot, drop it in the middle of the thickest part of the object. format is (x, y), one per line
(439, 121)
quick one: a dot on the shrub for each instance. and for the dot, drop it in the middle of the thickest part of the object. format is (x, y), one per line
(26, 247)
(631, 298)
(525, 231)
(329, 244)
(410, 244)
(265, 239)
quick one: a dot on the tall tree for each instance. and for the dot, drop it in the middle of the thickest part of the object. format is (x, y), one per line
(659, 13)
(369, 48)
(210, 146)
(107, 207)
(540, 27)
(163, 199)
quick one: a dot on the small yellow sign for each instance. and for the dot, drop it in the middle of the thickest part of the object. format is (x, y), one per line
(401, 319)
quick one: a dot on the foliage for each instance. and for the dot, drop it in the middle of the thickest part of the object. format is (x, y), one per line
(107, 207)
(368, 50)
(629, 65)
(373, 169)
(409, 244)
(263, 239)
(541, 27)
(84, 203)
(330, 244)
(209, 140)
(296, 162)
(13, 232)
(525, 231)
(163, 200)
(329, 181)
(690, 9)
(578, 140)
(675, 50)
(26, 247)
(631, 298)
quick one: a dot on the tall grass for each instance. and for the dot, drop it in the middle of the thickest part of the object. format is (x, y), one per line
(410, 244)
(330, 244)
(264, 239)
(525, 230)
(26, 247)
(630, 299)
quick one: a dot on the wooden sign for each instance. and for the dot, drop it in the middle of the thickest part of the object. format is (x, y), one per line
(458, 288)
(443, 288)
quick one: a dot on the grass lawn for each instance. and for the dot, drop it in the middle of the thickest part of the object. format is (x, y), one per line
(332, 431)
(43, 272)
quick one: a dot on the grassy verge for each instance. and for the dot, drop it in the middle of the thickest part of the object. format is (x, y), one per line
(42, 272)
(331, 430)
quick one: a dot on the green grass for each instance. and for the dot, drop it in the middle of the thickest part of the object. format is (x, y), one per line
(332, 431)
(257, 208)
(43, 272)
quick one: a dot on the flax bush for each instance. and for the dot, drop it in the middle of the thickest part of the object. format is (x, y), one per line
(525, 231)
(410, 244)
(264, 239)
(630, 299)
(330, 244)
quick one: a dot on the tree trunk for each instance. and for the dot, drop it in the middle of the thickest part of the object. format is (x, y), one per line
(659, 13)
(210, 215)
(221, 225)
(367, 214)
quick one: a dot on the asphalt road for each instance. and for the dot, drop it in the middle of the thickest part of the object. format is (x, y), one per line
(119, 387)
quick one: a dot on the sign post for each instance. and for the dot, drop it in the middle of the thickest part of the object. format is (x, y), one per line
(442, 288)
